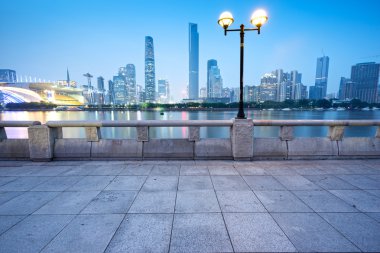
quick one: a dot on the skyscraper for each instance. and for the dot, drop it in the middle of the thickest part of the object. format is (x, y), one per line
(365, 77)
(150, 75)
(163, 90)
(131, 83)
(193, 61)
(210, 63)
(119, 90)
(216, 82)
(100, 83)
(322, 72)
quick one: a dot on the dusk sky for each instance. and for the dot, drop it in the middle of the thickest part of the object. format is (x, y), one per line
(40, 38)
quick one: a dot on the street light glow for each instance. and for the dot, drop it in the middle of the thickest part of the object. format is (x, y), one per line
(259, 17)
(225, 19)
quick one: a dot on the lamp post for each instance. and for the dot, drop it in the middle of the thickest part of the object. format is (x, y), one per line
(258, 18)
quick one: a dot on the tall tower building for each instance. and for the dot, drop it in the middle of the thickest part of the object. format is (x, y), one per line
(210, 63)
(67, 77)
(163, 90)
(150, 73)
(100, 83)
(131, 83)
(216, 82)
(119, 90)
(319, 90)
(193, 61)
(365, 77)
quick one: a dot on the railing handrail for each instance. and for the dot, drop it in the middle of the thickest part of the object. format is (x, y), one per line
(15, 123)
(139, 123)
(316, 122)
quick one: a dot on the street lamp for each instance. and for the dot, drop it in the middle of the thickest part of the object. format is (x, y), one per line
(258, 18)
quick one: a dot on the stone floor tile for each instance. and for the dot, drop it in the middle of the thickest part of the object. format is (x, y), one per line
(251, 170)
(256, 232)
(199, 201)
(92, 183)
(165, 170)
(107, 170)
(160, 183)
(23, 183)
(8, 221)
(110, 202)
(263, 183)
(330, 182)
(308, 170)
(127, 183)
(15, 171)
(193, 170)
(324, 201)
(374, 192)
(6, 196)
(154, 202)
(194, 183)
(86, 233)
(281, 201)
(222, 170)
(361, 181)
(239, 201)
(12, 163)
(360, 199)
(33, 233)
(5, 180)
(334, 169)
(310, 233)
(297, 182)
(375, 216)
(68, 203)
(78, 171)
(363, 231)
(57, 183)
(142, 233)
(199, 233)
(280, 170)
(49, 171)
(229, 183)
(136, 170)
(374, 177)
(26, 203)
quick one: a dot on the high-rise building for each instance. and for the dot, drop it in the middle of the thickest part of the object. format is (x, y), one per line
(130, 77)
(215, 83)
(119, 90)
(268, 87)
(210, 63)
(203, 92)
(8, 76)
(163, 90)
(296, 80)
(110, 94)
(100, 83)
(365, 77)
(346, 89)
(319, 90)
(150, 73)
(193, 61)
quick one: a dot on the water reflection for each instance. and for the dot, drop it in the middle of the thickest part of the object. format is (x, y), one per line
(182, 132)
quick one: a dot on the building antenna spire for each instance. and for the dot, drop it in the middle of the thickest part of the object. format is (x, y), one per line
(67, 77)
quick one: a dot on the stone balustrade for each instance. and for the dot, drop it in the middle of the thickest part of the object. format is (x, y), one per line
(46, 142)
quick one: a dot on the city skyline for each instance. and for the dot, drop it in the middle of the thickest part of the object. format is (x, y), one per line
(70, 34)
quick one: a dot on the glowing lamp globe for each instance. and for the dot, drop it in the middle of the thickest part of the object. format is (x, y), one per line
(225, 19)
(259, 17)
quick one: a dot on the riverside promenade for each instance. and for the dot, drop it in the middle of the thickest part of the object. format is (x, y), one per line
(190, 206)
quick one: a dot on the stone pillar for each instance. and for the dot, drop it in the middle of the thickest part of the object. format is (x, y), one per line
(242, 139)
(3, 134)
(41, 142)
(142, 133)
(286, 133)
(93, 133)
(194, 134)
(336, 133)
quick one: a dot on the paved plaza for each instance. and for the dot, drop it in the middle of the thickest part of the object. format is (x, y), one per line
(190, 206)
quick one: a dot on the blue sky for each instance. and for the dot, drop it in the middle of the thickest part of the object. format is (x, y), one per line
(40, 38)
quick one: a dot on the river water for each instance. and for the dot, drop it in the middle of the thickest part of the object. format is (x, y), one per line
(181, 132)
